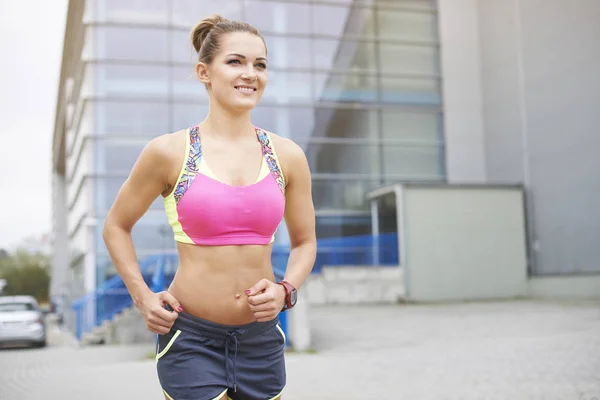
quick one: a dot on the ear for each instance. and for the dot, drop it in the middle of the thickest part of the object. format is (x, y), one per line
(202, 73)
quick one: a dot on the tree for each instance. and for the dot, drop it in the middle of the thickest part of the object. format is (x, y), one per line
(26, 274)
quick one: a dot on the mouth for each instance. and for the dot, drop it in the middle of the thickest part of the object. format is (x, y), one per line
(246, 89)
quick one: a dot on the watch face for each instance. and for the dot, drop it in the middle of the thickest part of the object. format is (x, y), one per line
(293, 297)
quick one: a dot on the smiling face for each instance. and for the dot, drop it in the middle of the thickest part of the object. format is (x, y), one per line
(237, 76)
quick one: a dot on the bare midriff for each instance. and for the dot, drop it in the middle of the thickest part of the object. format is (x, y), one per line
(211, 281)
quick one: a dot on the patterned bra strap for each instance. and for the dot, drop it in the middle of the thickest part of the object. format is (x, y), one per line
(191, 164)
(271, 158)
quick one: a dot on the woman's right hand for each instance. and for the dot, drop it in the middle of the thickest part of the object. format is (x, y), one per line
(159, 320)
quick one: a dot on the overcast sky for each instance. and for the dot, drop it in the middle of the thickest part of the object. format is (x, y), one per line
(31, 40)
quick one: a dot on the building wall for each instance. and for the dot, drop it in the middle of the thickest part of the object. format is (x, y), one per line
(541, 94)
(60, 250)
(461, 88)
(463, 242)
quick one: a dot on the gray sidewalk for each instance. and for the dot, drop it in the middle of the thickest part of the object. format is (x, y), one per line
(497, 350)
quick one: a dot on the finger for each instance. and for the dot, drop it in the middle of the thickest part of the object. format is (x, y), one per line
(157, 321)
(259, 287)
(268, 307)
(161, 330)
(260, 298)
(163, 315)
(264, 316)
(169, 299)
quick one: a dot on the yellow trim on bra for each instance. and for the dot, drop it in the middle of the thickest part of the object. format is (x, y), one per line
(169, 202)
(204, 169)
(183, 164)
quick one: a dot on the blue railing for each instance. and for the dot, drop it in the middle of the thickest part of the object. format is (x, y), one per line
(109, 299)
(357, 250)
(158, 271)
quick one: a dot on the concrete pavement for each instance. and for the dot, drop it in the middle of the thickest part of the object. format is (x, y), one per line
(496, 350)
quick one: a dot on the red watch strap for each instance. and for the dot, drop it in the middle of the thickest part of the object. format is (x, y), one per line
(288, 290)
(288, 286)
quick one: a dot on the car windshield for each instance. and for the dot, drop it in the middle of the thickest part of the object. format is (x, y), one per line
(11, 307)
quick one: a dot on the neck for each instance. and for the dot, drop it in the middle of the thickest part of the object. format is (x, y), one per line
(226, 123)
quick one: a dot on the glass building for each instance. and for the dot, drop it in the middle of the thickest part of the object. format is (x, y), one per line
(356, 83)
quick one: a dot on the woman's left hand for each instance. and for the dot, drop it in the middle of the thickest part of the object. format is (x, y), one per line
(266, 299)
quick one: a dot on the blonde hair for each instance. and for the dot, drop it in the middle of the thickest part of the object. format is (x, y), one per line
(206, 35)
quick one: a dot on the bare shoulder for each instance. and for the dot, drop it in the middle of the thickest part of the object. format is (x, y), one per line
(167, 147)
(161, 159)
(291, 157)
(287, 150)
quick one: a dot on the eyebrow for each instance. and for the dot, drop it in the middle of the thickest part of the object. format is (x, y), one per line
(244, 57)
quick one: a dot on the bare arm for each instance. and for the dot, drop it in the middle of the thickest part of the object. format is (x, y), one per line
(147, 180)
(299, 217)
(266, 299)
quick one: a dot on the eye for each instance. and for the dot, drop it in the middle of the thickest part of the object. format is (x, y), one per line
(233, 62)
(261, 65)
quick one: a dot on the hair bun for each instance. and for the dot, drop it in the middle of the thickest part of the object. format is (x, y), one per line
(201, 30)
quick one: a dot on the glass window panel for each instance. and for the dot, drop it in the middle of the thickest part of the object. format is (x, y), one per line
(186, 115)
(291, 122)
(413, 162)
(152, 234)
(120, 157)
(344, 54)
(83, 123)
(354, 158)
(410, 91)
(351, 2)
(109, 187)
(288, 52)
(128, 43)
(182, 50)
(343, 20)
(187, 86)
(342, 194)
(82, 162)
(78, 246)
(348, 87)
(335, 226)
(132, 80)
(417, 5)
(189, 12)
(398, 25)
(288, 87)
(401, 58)
(345, 123)
(88, 86)
(416, 126)
(132, 118)
(278, 17)
(144, 11)
(80, 202)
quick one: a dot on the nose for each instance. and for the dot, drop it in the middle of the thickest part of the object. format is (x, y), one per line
(249, 75)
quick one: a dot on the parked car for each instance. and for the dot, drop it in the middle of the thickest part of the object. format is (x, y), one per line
(22, 321)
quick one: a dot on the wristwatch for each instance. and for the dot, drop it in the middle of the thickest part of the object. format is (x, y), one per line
(291, 295)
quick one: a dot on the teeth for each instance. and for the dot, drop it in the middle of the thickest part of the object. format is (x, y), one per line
(243, 89)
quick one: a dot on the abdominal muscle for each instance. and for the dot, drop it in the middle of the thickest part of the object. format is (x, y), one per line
(211, 281)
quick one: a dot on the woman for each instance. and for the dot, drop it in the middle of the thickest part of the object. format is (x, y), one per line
(226, 186)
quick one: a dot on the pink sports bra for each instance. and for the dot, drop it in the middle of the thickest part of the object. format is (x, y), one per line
(205, 211)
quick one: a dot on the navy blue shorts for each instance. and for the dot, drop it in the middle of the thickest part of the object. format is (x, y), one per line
(202, 360)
